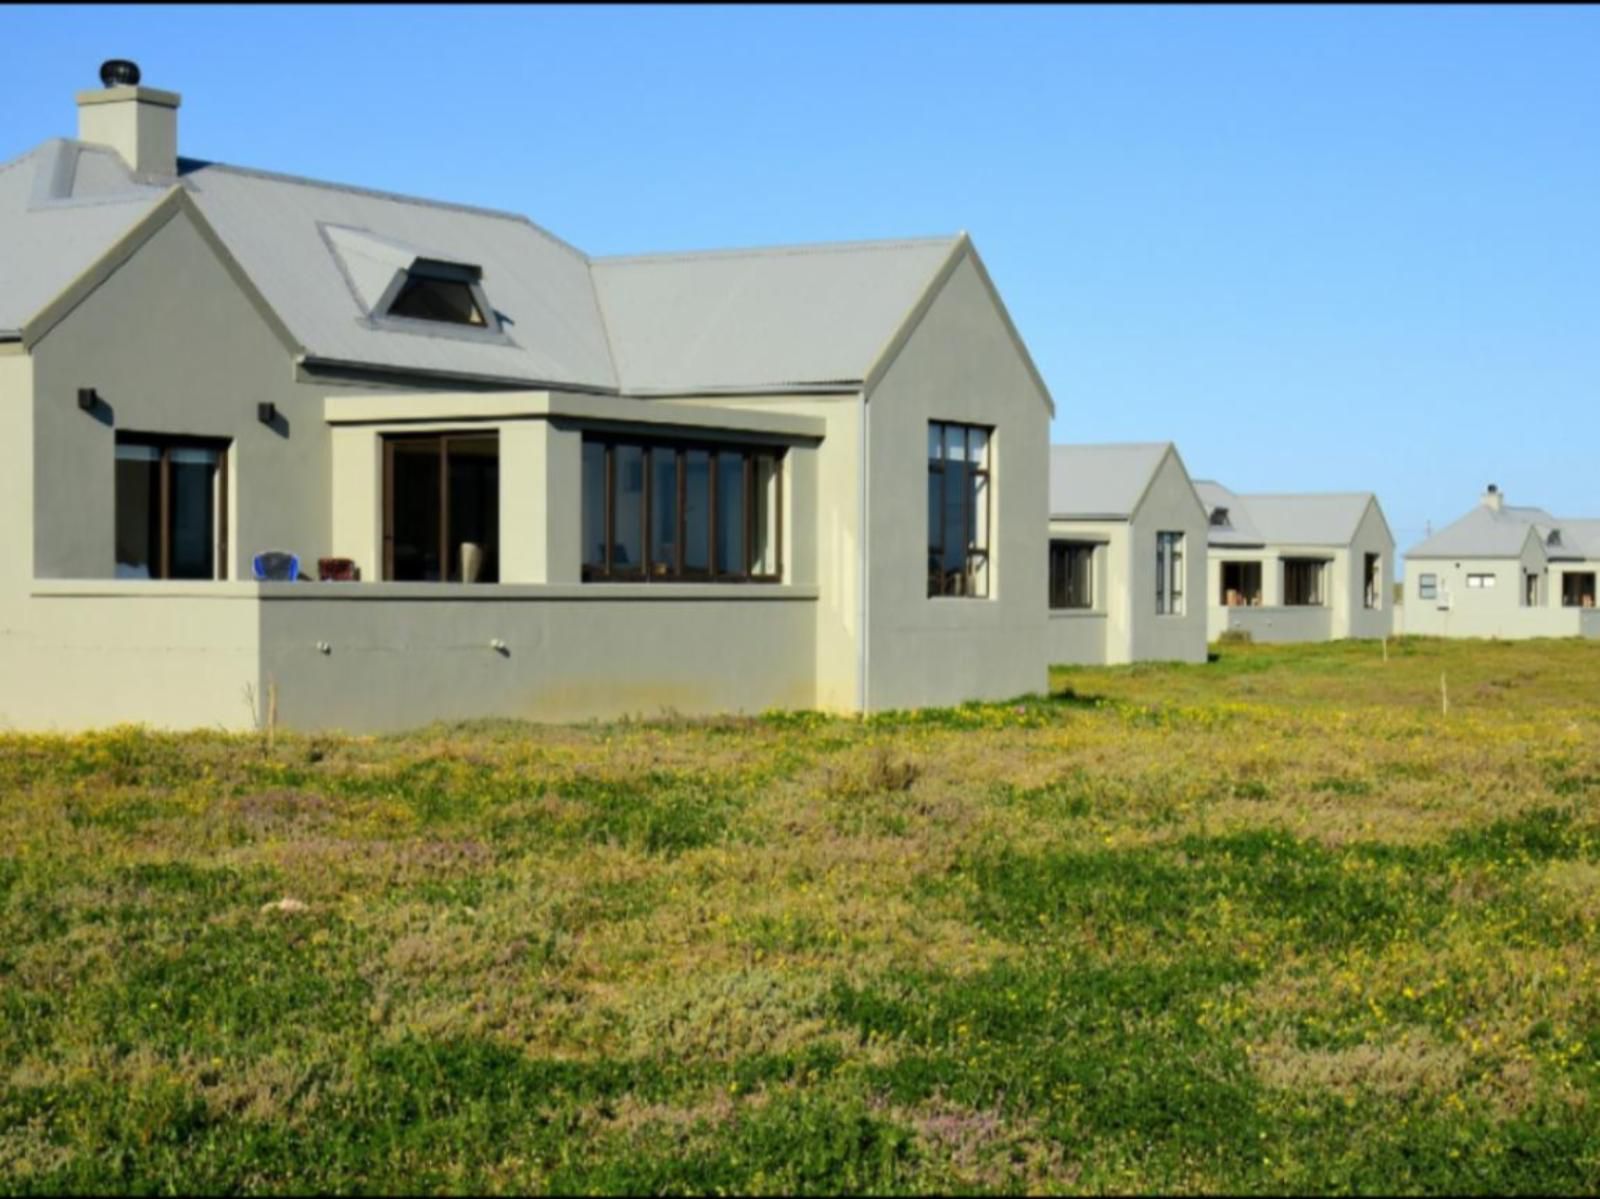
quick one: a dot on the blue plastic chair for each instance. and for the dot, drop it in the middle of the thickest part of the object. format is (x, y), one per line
(275, 566)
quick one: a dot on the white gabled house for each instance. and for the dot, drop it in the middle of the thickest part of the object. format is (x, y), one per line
(565, 486)
(1309, 566)
(1504, 571)
(1127, 556)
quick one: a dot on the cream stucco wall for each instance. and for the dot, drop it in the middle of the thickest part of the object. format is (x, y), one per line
(1083, 637)
(173, 345)
(959, 364)
(1170, 505)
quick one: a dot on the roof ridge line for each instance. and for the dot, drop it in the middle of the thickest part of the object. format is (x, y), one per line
(792, 248)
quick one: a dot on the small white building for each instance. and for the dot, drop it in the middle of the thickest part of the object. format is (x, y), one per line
(1300, 567)
(1127, 556)
(1503, 571)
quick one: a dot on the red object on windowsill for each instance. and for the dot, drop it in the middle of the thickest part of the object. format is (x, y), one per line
(337, 570)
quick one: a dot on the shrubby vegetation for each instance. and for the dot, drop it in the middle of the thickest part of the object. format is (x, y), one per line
(1272, 923)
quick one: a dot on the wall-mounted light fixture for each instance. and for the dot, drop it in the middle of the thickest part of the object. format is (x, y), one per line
(88, 397)
(266, 413)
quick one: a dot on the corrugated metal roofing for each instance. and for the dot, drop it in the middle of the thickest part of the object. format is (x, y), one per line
(1102, 481)
(62, 205)
(760, 319)
(322, 254)
(1307, 518)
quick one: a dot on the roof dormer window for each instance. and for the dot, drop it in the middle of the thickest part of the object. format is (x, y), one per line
(446, 292)
(1219, 518)
(1554, 538)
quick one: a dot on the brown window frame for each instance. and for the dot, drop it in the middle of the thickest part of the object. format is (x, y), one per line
(166, 443)
(675, 571)
(443, 437)
(939, 586)
(1321, 568)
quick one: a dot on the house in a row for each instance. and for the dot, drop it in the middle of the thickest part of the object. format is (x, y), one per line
(565, 486)
(1127, 556)
(1505, 571)
(1298, 567)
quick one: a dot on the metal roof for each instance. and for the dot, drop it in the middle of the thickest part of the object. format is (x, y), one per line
(322, 254)
(1090, 482)
(1303, 518)
(62, 205)
(761, 319)
(1486, 532)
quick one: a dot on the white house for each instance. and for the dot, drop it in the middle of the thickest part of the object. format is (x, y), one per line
(568, 486)
(1503, 571)
(1301, 567)
(1127, 555)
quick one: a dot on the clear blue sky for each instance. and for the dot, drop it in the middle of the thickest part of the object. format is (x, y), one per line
(1319, 248)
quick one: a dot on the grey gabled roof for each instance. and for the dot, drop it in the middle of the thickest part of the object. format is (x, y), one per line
(1102, 482)
(1304, 518)
(322, 256)
(1486, 532)
(62, 205)
(791, 316)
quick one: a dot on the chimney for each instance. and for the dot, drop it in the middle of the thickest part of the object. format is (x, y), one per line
(139, 123)
(1493, 498)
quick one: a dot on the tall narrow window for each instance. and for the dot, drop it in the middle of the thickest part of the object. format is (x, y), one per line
(1372, 582)
(442, 508)
(958, 509)
(1169, 574)
(171, 507)
(1530, 589)
(1072, 575)
(1302, 582)
(666, 510)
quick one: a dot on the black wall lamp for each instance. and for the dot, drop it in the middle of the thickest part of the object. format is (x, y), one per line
(88, 397)
(267, 413)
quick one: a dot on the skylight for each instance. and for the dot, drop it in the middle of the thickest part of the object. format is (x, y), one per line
(443, 292)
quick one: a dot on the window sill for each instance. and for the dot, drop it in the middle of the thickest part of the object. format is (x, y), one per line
(455, 592)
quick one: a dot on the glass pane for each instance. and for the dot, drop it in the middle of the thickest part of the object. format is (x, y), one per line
(957, 487)
(627, 549)
(697, 511)
(663, 512)
(935, 441)
(444, 300)
(978, 448)
(980, 512)
(730, 513)
(138, 511)
(594, 504)
(474, 465)
(955, 443)
(764, 553)
(415, 487)
(193, 497)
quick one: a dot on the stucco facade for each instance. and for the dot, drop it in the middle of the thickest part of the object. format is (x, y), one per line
(174, 339)
(1125, 623)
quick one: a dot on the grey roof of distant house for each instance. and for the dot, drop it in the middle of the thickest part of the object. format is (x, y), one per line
(320, 253)
(1304, 518)
(1487, 533)
(1102, 482)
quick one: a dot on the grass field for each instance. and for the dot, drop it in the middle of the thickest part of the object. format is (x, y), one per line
(1272, 923)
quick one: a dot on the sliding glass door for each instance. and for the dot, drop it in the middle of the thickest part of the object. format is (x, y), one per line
(442, 508)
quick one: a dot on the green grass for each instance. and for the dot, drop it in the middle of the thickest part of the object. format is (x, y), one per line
(1272, 923)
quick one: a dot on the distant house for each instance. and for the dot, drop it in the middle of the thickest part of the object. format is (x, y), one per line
(569, 486)
(1300, 567)
(1503, 571)
(1127, 555)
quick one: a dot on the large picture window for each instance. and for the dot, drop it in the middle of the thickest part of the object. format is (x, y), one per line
(1169, 574)
(958, 509)
(1577, 588)
(1241, 584)
(1072, 574)
(171, 507)
(669, 510)
(441, 509)
(1302, 582)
